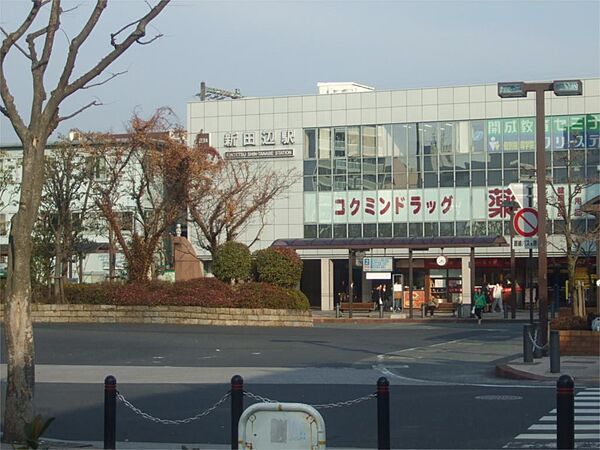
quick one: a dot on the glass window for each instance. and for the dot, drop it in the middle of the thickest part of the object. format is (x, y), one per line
(400, 229)
(310, 167)
(447, 137)
(561, 158)
(325, 231)
(354, 182)
(339, 230)
(370, 166)
(511, 160)
(559, 227)
(527, 134)
(325, 167)
(446, 179)
(560, 132)
(310, 183)
(495, 161)
(310, 144)
(400, 141)
(462, 162)
(463, 137)
(447, 229)
(511, 176)
(447, 162)
(430, 163)
(399, 175)
(339, 142)
(463, 179)
(510, 135)
(577, 132)
(430, 180)
(415, 230)
(477, 144)
(310, 231)
(340, 166)
(479, 228)
(592, 131)
(384, 140)
(494, 178)
(370, 230)
(353, 141)
(429, 138)
(415, 179)
(463, 228)
(384, 181)
(370, 182)
(368, 140)
(324, 143)
(577, 157)
(527, 162)
(384, 165)
(354, 230)
(494, 135)
(431, 229)
(478, 178)
(339, 183)
(384, 230)
(324, 182)
(479, 161)
(354, 165)
(495, 228)
(560, 175)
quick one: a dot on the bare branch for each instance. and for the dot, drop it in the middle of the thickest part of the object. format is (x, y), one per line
(100, 83)
(80, 110)
(21, 49)
(158, 36)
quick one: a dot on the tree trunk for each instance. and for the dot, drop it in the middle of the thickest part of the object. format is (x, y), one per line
(19, 407)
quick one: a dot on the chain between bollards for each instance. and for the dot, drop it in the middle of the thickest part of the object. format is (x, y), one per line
(565, 412)
(110, 412)
(237, 407)
(383, 414)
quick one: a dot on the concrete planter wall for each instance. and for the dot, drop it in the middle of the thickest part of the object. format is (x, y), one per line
(186, 315)
(579, 342)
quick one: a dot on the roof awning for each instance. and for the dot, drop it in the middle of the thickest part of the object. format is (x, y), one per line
(414, 243)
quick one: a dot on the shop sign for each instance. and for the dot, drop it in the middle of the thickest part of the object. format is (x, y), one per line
(264, 138)
(261, 154)
(525, 243)
(378, 264)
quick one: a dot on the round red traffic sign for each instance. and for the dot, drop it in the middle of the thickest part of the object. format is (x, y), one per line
(526, 222)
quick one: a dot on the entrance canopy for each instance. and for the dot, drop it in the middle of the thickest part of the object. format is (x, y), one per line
(411, 243)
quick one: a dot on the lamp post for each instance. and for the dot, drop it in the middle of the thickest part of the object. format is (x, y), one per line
(513, 290)
(520, 89)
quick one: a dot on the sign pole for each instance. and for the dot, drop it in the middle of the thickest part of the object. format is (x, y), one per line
(529, 260)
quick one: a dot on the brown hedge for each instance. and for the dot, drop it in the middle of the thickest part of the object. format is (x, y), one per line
(569, 323)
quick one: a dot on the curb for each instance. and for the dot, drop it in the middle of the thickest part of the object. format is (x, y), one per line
(506, 371)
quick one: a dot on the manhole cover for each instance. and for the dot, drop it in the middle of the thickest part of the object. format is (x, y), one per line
(498, 397)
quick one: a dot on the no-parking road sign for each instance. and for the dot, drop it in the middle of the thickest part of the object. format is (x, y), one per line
(525, 222)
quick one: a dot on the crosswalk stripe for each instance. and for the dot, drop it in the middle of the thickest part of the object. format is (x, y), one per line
(552, 427)
(582, 411)
(577, 418)
(552, 436)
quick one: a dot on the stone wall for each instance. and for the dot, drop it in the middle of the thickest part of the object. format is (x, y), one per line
(185, 315)
(579, 342)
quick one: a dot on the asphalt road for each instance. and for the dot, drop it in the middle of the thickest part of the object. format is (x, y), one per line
(443, 391)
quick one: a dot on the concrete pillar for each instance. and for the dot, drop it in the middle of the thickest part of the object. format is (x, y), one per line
(466, 295)
(327, 293)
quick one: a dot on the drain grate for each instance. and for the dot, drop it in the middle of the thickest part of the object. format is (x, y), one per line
(499, 397)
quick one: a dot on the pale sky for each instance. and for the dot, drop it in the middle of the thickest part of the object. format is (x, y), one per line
(273, 48)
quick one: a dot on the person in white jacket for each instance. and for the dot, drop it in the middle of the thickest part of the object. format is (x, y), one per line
(497, 295)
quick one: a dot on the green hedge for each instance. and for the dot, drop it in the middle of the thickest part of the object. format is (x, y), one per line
(280, 266)
(232, 262)
(207, 292)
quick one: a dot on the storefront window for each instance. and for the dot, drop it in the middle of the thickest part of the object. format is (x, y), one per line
(339, 230)
(431, 229)
(400, 230)
(384, 230)
(447, 229)
(310, 231)
(463, 228)
(370, 230)
(354, 230)
(415, 230)
(325, 231)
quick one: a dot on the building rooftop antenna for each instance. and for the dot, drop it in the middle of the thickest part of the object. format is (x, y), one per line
(210, 93)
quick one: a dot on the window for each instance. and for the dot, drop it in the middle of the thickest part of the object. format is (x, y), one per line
(368, 141)
(370, 230)
(400, 229)
(325, 231)
(310, 231)
(310, 144)
(415, 230)
(447, 137)
(3, 225)
(353, 141)
(385, 230)
(125, 220)
(429, 138)
(354, 230)
(324, 143)
(431, 229)
(339, 230)
(339, 142)
(477, 144)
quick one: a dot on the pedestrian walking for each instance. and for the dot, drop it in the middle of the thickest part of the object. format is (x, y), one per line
(479, 303)
(497, 294)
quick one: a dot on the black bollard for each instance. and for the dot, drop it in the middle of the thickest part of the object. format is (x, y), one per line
(237, 407)
(110, 412)
(381, 311)
(337, 310)
(527, 344)
(565, 412)
(554, 351)
(383, 413)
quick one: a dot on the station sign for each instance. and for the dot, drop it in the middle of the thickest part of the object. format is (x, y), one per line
(378, 264)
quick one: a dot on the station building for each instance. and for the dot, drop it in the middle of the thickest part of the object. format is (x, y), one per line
(428, 163)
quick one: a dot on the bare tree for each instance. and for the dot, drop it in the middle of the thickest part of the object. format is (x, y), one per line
(222, 205)
(566, 198)
(44, 117)
(141, 192)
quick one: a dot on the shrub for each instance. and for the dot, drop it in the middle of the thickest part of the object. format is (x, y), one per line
(263, 295)
(232, 262)
(569, 323)
(279, 266)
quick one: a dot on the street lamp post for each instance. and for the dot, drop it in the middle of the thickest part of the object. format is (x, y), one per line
(520, 89)
(513, 290)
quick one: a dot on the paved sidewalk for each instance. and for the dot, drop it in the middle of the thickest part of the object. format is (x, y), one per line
(583, 369)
